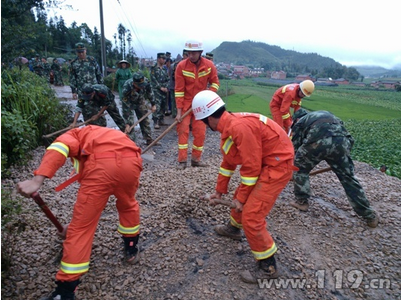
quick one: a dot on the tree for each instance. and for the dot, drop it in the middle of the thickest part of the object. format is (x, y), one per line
(121, 36)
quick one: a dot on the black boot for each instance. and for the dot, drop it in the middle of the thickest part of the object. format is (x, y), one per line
(65, 290)
(131, 250)
(265, 269)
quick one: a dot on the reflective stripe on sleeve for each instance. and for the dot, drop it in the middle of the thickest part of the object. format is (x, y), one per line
(179, 94)
(286, 116)
(214, 85)
(60, 147)
(226, 172)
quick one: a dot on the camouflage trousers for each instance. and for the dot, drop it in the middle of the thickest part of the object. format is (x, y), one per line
(336, 152)
(58, 78)
(161, 105)
(92, 109)
(173, 104)
(140, 110)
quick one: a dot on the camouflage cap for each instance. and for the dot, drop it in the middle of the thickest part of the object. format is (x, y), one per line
(161, 55)
(139, 80)
(209, 55)
(299, 114)
(80, 47)
(87, 91)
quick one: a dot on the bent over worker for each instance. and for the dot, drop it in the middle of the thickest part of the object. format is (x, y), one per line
(286, 97)
(319, 136)
(136, 92)
(94, 100)
(192, 76)
(265, 154)
(108, 163)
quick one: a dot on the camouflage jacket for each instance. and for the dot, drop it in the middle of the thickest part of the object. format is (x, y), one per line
(158, 78)
(56, 67)
(131, 96)
(84, 72)
(317, 125)
(103, 97)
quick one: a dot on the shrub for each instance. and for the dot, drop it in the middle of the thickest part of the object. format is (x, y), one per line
(29, 109)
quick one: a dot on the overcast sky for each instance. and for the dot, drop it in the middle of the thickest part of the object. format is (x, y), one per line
(352, 32)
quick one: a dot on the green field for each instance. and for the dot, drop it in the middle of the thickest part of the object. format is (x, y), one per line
(373, 117)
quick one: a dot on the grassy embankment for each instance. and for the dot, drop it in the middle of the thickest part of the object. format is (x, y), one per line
(372, 117)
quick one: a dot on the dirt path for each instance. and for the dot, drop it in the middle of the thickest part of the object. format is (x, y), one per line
(326, 253)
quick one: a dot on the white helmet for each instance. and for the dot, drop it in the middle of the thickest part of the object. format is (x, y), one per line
(193, 46)
(205, 103)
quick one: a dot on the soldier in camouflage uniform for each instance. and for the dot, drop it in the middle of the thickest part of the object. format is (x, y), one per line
(159, 80)
(319, 136)
(135, 93)
(94, 100)
(83, 70)
(46, 69)
(37, 65)
(58, 77)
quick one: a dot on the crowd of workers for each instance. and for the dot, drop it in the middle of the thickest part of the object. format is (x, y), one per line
(268, 152)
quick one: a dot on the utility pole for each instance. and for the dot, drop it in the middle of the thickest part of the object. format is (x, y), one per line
(102, 39)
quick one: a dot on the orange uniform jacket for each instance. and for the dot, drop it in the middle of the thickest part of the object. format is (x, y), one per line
(254, 142)
(283, 99)
(191, 79)
(81, 143)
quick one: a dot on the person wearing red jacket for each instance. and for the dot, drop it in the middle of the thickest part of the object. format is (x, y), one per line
(286, 97)
(265, 153)
(107, 163)
(192, 75)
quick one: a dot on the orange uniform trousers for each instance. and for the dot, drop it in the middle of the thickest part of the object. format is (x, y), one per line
(199, 134)
(277, 116)
(103, 175)
(252, 219)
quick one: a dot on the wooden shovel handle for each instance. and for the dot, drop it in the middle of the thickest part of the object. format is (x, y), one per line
(68, 128)
(165, 132)
(138, 121)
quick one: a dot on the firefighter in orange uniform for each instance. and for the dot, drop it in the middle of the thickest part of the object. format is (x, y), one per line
(265, 154)
(286, 97)
(192, 76)
(108, 163)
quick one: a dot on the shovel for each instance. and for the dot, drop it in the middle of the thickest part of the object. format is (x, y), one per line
(151, 157)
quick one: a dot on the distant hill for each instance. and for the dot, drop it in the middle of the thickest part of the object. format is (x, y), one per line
(377, 72)
(258, 54)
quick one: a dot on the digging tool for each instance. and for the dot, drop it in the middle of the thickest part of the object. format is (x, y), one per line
(163, 134)
(38, 200)
(318, 171)
(68, 128)
(136, 123)
(206, 197)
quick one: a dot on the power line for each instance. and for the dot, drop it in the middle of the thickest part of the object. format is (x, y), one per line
(132, 29)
